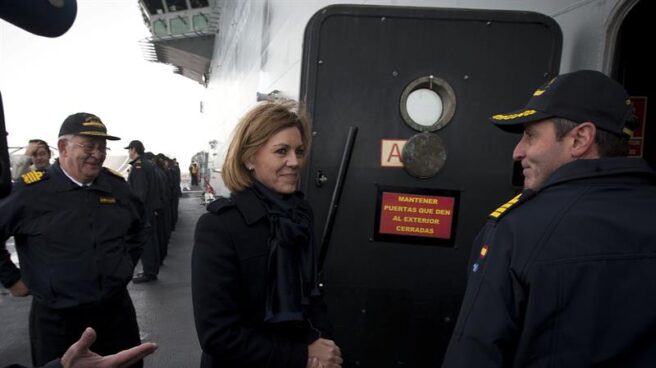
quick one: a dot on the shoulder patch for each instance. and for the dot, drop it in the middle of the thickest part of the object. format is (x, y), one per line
(219, 205)
(501, 211)
(114, 173)
(33, 177)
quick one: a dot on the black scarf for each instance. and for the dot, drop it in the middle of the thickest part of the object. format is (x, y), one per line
(292, 266)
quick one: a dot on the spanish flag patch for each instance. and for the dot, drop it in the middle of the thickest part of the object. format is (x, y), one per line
(484, 251)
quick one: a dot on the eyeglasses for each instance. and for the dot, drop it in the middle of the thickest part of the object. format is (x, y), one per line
(91, 148)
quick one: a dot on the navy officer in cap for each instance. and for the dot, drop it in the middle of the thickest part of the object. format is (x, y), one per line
(143, 181)
(79, 232)
(563, 275)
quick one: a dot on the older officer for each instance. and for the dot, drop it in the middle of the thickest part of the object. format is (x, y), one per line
(143, 181)
(78, 231)
(563, 274)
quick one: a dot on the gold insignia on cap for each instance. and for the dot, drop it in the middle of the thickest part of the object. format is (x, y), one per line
(92, 132)
(514, 116)
(628, 131)
(499, 211)
(32, 177)
(543, 89)
(93, 121)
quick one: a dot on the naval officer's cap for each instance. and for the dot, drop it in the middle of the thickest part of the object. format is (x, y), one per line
(581, 96)
(85, 124)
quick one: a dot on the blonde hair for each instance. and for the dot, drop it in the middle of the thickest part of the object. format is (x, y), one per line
(255, 128)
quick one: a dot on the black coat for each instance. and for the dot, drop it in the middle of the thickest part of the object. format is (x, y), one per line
(229, 273)
(144, 183)
(76, 245)
(564, 277)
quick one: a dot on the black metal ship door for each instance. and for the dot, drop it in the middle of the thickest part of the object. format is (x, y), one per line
(405, 166)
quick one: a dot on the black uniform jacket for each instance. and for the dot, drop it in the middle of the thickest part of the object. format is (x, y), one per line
(144, 183)
(229, 272)
(565, 276)
(76, 245)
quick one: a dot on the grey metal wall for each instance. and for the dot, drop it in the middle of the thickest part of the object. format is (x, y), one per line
(393, 304)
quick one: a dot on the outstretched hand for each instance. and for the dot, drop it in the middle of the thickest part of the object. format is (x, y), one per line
(79, 355)
(324, 353)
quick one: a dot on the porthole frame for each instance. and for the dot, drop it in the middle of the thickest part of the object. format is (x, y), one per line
(443, 90)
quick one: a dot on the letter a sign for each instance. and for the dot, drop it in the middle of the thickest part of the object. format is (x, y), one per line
(390, 152)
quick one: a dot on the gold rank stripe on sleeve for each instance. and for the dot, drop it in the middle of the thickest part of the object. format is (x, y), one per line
(499, 211)
(32, 177)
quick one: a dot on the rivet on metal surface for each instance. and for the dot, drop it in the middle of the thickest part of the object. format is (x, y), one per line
(395, 73)
(314, 133)
(466, 77)
(320, 62)
(382, 19)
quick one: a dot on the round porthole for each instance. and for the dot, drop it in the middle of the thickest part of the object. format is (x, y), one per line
(427, 104)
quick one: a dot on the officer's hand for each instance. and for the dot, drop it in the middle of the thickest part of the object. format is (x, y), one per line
(327, 352)
(79, 355)
(19, 289)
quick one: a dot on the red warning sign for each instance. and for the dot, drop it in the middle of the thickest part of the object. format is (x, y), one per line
(416, 215)
(636, 142)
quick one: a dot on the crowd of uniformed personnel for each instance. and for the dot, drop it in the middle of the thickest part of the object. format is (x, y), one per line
(155, 179)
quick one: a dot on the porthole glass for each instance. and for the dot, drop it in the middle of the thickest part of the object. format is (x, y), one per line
(424, 106)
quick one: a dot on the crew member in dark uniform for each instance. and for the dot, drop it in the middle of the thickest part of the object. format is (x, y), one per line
(142, 180)
(563, 274)
(177, 192)
(165, 188)
(79, 232)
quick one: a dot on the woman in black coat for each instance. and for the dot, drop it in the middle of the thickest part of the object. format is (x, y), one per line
(254, 282)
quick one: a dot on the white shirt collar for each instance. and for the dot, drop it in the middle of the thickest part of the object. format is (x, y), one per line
(75, 181)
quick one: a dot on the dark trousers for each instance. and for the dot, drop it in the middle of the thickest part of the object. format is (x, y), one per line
(163, 231)
(176, 202)
(53, 331)
(151, 257)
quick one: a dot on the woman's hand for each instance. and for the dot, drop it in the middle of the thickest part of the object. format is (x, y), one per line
(313, 363)
(327, 354)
